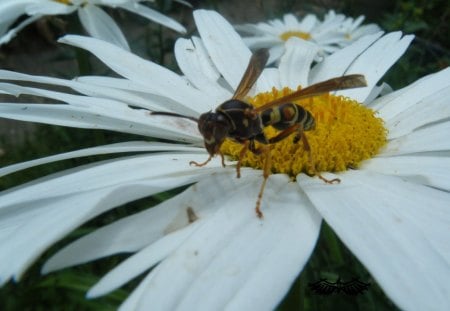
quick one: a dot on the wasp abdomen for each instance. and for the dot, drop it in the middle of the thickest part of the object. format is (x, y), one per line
(287, 115)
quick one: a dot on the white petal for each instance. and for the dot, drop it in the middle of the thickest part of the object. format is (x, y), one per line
(143, 72)
(153, 16)
(232, 264)
(225, 47)
(397, 229)
(128, 170)
(261, 42)
(140, 262)
(421, 103)
(100, 25)
(431, 138)
(296, 62)
(29, 210)
(20, 223)
(376, 61)
(13, 32)
(196, 65)
(336, 64)
(49, 8)
(275, 52)
(132, 146)
(426, 170)
(151, 224)
(137, 122)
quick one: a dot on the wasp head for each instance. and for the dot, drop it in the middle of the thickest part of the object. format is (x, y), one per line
(214, 128)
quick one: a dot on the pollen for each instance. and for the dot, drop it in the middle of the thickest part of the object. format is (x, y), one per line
(298, 34)
(345, 134)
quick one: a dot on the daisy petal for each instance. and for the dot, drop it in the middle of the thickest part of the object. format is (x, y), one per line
(127, 170)
(295, 63)
(153, 16)
(49, 8)
(336, 64)
(376, 61)
(142, 72)
(153, 224)
(225, 47)
(100, 25)
(135, 122)
(431, 138)
(131, 146)
(140, 262)
(201, 264)
(421, 103)
(193, 60)
(13, 31)
(400, 236)
(61, 210)
(426, 170)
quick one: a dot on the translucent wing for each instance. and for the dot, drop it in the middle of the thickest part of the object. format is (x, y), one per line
(252, 73)
(334, 84)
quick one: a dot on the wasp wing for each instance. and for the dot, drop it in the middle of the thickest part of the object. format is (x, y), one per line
(334, 84)
(252, 73)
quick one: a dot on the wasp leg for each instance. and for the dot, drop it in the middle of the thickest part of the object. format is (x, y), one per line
(311, 162)
(222, 159)
(285, 133)
(241, 156)
(200, 164)
(266, 172)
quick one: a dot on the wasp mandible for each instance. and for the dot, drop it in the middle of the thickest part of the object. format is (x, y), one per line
(240, 121)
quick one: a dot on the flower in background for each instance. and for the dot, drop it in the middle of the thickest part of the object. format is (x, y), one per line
(207, 248)
(94, 19)
(331, 34)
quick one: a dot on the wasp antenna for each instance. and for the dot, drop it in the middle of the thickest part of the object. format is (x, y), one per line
(171, 114)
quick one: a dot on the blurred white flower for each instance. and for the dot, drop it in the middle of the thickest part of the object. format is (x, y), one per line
(331, 34)
(207, 248)
(94, 19)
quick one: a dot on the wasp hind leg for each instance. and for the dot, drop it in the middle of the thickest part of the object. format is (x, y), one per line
(307, 147)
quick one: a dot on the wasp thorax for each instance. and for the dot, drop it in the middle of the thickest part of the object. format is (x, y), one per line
(214, 128)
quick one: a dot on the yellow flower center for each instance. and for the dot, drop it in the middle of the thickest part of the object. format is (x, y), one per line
(299, 34)
(345, 134)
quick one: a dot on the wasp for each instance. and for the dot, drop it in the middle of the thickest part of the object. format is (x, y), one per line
(240, 121)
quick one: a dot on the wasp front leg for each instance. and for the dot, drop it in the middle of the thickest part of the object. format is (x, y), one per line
(265, 150)
(208, 160)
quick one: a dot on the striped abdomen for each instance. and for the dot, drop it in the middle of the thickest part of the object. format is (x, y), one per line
(287, 115)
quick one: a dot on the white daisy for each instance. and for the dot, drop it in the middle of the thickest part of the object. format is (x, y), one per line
(331, 34)
(94, 19)
(208, 249)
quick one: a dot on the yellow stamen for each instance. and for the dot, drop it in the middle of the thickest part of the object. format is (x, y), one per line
(346, 133)
(299, 34)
